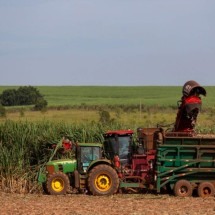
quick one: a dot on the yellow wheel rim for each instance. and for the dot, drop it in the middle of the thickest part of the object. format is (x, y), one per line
(57, 185)
(103, 182)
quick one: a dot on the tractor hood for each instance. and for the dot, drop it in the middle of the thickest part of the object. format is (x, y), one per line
(64, 165)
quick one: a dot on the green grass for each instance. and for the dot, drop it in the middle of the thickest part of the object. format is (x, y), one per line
(79, 95)
(76, 95)
(115, 95)
(140, 105)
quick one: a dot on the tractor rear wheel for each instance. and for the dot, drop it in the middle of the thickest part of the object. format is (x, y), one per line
(103, 180)
(206, 189)
(183, 188)
(57, 183)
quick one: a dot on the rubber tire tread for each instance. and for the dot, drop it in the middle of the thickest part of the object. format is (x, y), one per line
(63, 177)
(202, 186)
(103, 169)
(180, 184)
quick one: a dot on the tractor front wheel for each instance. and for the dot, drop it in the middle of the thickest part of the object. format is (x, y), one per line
(103, 180)
(57, 183)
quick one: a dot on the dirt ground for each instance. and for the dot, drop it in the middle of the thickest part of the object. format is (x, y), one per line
(123, 204)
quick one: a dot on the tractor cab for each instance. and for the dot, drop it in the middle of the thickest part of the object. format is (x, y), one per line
(86, 153)
(118, 143)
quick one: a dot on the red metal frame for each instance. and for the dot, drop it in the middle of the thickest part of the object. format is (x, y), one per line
(120, 132)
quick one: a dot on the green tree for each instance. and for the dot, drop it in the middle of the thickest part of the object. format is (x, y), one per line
(41, 104)
(26, 95)
(9, 97)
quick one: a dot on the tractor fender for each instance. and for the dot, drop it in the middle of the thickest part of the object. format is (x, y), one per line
(98, 162)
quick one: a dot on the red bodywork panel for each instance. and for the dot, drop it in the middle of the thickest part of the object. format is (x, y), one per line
(142, 165)
(120, 132)
(141, 169)
(187, 114)
(189, 107)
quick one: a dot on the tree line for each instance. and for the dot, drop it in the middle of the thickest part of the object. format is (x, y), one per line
(24, 95)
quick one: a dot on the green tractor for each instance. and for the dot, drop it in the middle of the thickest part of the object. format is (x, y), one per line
(86, 170)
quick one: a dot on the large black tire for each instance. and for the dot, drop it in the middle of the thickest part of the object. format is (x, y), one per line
(103, 180)
(57, 183)
(45, 190)
(206, 189)
(183, 188)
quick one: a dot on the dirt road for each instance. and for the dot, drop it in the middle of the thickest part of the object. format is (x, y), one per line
(123, 204)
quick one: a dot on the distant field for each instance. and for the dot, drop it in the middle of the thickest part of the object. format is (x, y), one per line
(161, 103)
(104, 95)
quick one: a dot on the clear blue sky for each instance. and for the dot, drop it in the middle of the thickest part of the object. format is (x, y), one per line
(107, 42)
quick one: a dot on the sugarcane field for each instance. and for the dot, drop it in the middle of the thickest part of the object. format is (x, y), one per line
(106, 167)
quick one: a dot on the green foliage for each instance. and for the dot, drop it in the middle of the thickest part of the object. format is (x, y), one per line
(22, 112)
(24, 147)
(26, 95)
(111, 96)
(104, 116)
(9, 97)
(2, 111)
(123, 97)
(41, 104)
